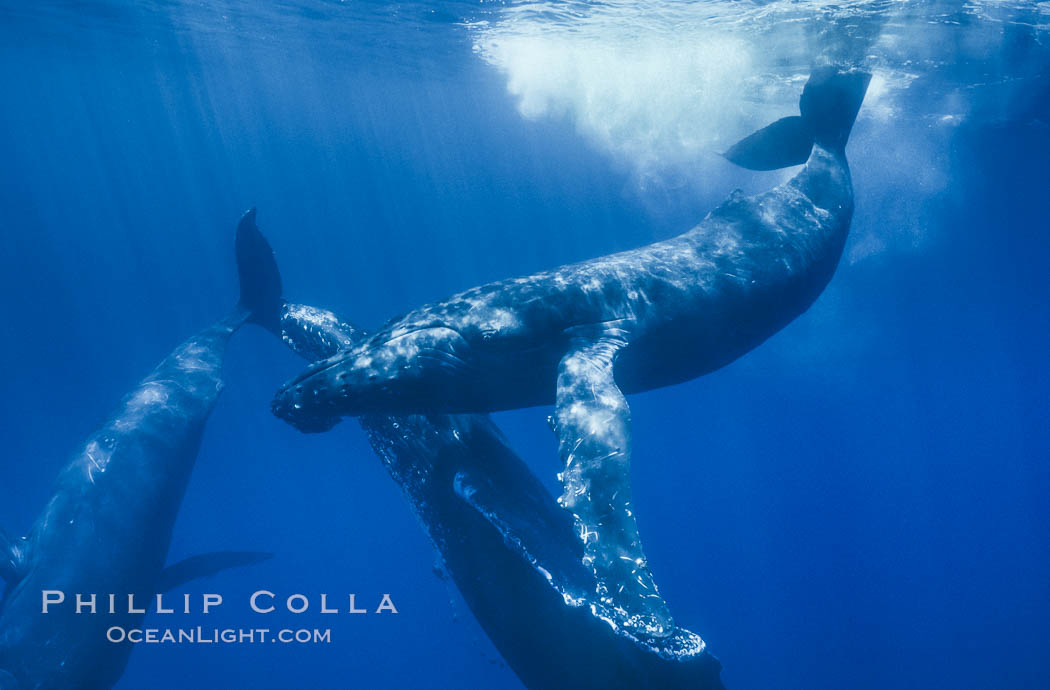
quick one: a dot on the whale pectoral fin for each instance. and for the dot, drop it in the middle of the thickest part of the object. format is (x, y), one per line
(593, 424)
(12, 557)
(206, 565)
(494, 482)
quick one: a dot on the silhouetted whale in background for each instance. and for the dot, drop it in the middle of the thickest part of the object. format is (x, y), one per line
(581, 335)
(506, 544)
(108, 526)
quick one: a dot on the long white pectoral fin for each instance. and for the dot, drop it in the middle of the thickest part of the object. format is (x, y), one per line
(12, 557)
(206, 565)
(593, 424)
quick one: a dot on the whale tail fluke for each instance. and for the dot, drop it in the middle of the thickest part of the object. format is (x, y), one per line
(784, 143)
(829, 105)
(260, 280)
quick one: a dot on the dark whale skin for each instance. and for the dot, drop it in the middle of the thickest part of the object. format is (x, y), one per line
(508, 546)
(686, 306)
(108, 525)
(584, 335)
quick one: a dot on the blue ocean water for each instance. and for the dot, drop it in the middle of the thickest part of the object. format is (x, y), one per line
(859, 503)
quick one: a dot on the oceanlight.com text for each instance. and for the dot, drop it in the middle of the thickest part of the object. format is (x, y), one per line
(202, 635)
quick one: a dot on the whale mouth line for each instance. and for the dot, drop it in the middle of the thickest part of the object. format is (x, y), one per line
(314, 369)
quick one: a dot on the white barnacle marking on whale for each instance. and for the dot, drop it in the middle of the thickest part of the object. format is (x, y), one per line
(98, 457)
(769, 218)
(726, 243)
(151, 394)
(491, 322)
(593, 283)
(504, 319)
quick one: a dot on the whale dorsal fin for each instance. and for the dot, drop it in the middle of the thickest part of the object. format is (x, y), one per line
(12, 557)
(205, 565)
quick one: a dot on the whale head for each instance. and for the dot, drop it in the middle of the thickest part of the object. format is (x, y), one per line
(414, 371)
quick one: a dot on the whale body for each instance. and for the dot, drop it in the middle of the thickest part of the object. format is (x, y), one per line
(583, 335)
(504, 542)
(108, 525)
(508, 547)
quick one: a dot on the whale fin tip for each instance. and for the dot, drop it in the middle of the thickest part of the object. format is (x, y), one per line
(206, 565)
(784, 143)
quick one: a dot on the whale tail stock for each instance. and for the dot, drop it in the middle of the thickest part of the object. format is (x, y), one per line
(829, 105)
(260, 280)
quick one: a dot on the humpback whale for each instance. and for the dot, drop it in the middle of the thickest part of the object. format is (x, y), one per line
(583, 335)
(504, 541)
(108, 524)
